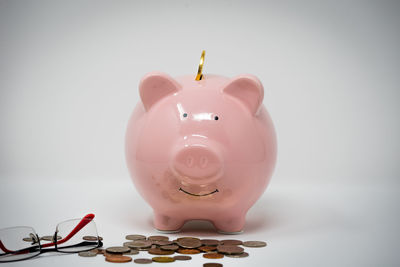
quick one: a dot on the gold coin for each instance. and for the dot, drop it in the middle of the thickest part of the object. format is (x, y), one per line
(163, 259)
(118, 258)
(188, 251)
(199, 75)
(213, 256)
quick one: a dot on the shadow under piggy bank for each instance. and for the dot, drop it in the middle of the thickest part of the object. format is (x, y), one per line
(261, 217)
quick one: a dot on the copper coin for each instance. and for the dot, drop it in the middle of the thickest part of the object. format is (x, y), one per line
(158, 238)
(101, 251)
(170, 247)
(210, 242)
(188, 251)
(163, 259)
(162, 242)
(229, 249)
(189, 243)
(207, 248)
(182, 258)
(240, 255)
(213, 256)
(212, 264)
(135, 237)
(158, 251)
(142, 261)
(186, 237)
(254, 244)
(118, 258)
(117, 250)
(140, 244)
(231, 242)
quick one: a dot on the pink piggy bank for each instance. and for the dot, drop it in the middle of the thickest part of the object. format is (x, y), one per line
(200, 149)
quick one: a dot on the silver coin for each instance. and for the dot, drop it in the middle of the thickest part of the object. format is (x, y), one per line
(90, 253)
(189, 242)
(90, 238)
(169, 247)
(143, 261)
(182, 258)
(140, 244)
(229, 249)
(49, 238)
(132, 252)
(162, 243)
(117, 250)
(210, 242)
(135, 237)
(231, 242)
(27, 239)
(158, 238)
(240, 255)
(254, 244)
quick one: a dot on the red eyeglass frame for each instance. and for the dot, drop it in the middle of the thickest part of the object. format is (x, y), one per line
(83, 222)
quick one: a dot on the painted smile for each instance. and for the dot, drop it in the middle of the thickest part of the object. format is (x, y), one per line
(186, 192)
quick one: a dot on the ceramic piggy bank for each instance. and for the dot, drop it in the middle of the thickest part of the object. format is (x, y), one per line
(200, 149)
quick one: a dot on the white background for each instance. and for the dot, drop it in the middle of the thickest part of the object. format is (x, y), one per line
(69, 73)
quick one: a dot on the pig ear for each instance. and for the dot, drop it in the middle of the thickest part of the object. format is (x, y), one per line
(248, 90)
(154, 86)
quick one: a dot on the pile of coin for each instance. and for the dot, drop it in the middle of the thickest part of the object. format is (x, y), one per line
(163, 249)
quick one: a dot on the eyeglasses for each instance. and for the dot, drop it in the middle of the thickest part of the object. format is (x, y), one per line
(21, 243)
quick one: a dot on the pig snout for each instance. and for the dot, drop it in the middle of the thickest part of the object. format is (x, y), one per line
(197, 164)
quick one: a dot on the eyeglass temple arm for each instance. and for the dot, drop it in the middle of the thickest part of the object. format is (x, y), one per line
(85, 220)
(3, 248)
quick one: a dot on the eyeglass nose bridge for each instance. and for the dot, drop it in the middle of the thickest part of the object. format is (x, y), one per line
(35, 238)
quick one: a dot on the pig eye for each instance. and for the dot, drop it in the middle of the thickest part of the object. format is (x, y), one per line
(184, 115)
(216, 117)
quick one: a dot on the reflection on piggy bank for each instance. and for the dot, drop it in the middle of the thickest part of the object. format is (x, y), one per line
(200, 149)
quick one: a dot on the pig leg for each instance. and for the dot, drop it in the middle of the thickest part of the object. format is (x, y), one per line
(167, 224)
(230, 224)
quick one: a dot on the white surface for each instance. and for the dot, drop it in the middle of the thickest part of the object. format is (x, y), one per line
(308, 225)
(69, 72)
